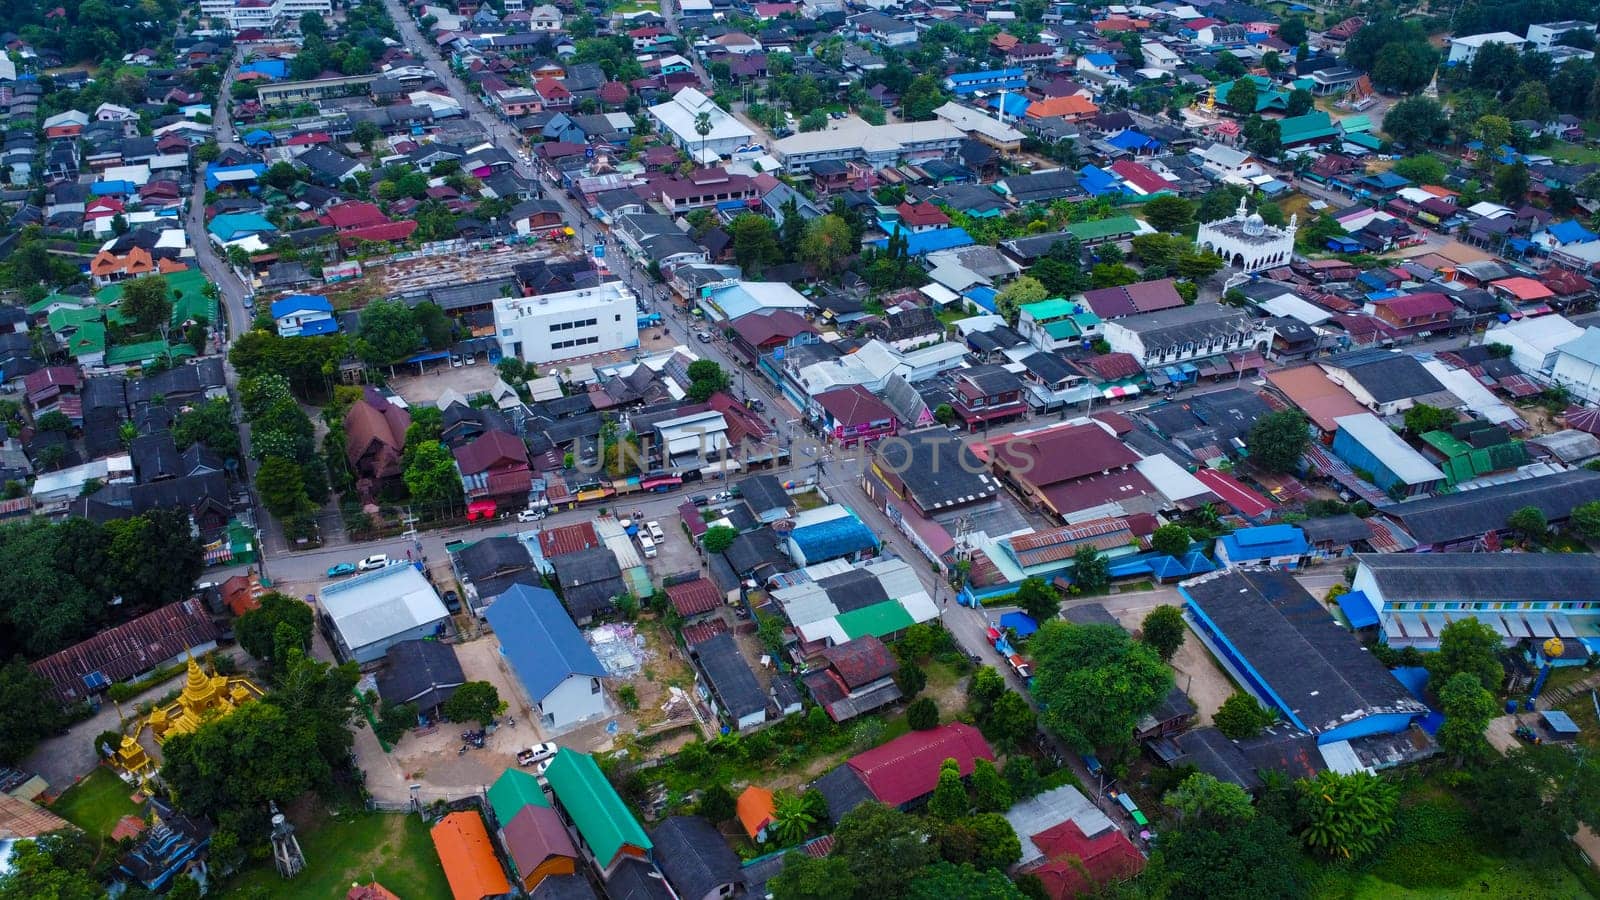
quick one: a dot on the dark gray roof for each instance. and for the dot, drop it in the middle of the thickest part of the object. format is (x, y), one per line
(693, 856)
(1315, 668)
(1345, 529)
(1469, 514)
(494, 556)
(844, 790)
(564, 887)
(422, 672)
(937, 468)
(1186, 324)
(590, 580)
(1047, 367)
(853, 590)
(753, 549)
(1387, 376)
(1210, 752)
(763, 492)
(635, 879)
(732, 682)
(1518, 577)
(1090, 614)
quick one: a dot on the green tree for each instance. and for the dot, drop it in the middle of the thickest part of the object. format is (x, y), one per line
(1163, 630)
(153, 558)
(1038, 599)
(28, 712)
(1203, 800)
(949, 801)
(1091, 570)
(717, 804)
(1010, 721)
(54, 866)
(1300, 102)
(1022, 776)
(389, 333)
(1495, 132)
(1094, 683)
(718, 538)
(281, 485)
(146, 303)
(1019, 293)
(706, 377)
(755, 242)
(1240, 716)
(946, 881)
(1423, 169)
(989, 790)
(1466, 645)
(1467, 709)
(430, 476)
(881, 847)
(1292, 31)
(1532, 799)
(1278, 439)
(827, 243)
(985, 687)
(1585, 520)
(54, 420)
(437, 330)
(807, 877)
(1416, 122)
(1511, 183)
(1242, 96)
(1529, 522)
(257, 629)
(920, 98)
(923, 714)
(1172, 539)
(1422, 418)
(1346, 815)
(1168, 213)
(1256, 859)
(474, 701)
(996, 845)
(793, 818)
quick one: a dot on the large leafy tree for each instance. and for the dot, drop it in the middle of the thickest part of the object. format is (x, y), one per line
(1038, 599)
(1467, 708)
(1250, 861)
(881, 847)
(1168, 213)
(475, 701)
(1091, 570)
(145, 302)
(755, 242)
(209, 423)
(1019, 293)
(827, 244)
(806, 877)
(1346, 815)
(430, 476)
(1172, 539)
(1242, 96)
(1163, 629)
(389, 332)
(946, 881)
(153, 558)
(1094, 683)
(1585, 520)
(28, 712)
(54, 866)
(1466, 645)
(1203, 800)
(281, 485)
(1278, 439)
(706, 377)
(949, 801)
(1240, 716)
(1416, 121)
(1010, 721)
(261, 630)
(1533, 798)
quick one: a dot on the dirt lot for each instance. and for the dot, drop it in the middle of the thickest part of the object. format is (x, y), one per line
(1193, 670)
(423, 390)
(666, 668)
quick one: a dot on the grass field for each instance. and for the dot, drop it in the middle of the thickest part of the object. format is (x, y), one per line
(1577, 154)
(97, 803)
(1435, 853)
(395, 849)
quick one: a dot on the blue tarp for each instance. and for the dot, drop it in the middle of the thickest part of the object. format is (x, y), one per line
(1358, 609)
(833, 539)
(929, 241)
(1016, 104)
(983, 296)
(259, 137)
(1021, 622)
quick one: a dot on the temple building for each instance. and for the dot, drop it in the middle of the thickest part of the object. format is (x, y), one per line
(203, 697)
(1247, 242)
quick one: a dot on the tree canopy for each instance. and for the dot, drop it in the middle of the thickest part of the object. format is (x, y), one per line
(1094, 683)
(260, 630)
(1278, 439)
(1163, 630)
(1466, 645)
(389, 332)
(881, 847)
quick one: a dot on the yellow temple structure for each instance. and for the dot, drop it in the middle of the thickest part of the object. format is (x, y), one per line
(203, 697)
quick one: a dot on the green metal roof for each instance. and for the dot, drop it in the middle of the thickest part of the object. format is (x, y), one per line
(1309, 127)
(512, 791)
(878, 620)
(1362, 139)
(1352, 124)
(1063, 329)
(186, 290)
(1103, 228)
(89, 339)
(145, 351)
(592, 803)
(67, 318)
(1267, 94)
(53, 299)
(1446, 443)
(1045, 310)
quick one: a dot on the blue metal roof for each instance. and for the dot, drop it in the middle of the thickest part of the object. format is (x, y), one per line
(1358, 609)
(1100, 59)
(1016, 104)
(1570, 232)
(1021, 621)
(1098, 182)
(297, 302)
(1264, 542)
(1132, 140)
(927, 242)
(539, 640)
(834, 538)
(983, 296)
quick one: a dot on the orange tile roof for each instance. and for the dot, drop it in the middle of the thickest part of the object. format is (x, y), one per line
(756, 808)
(1072, 105)
(468, 856)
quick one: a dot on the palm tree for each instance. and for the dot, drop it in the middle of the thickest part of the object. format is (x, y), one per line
(702, 127)
(792, 818)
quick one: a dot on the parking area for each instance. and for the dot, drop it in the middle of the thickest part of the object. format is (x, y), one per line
(675, 552)
(424, 389)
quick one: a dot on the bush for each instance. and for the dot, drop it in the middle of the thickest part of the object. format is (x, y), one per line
(112, 739)
(923, 714)
(628, 697)
(1240, 716)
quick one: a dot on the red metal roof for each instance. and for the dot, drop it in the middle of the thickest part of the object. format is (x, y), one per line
(854, 405)
(694, 597)
(354, 214)
(563, 539)
(1233, 491)
(388, 231)
(492, 449)
(1076, 864)
(861, 661)
(907, 767)
(1416, 306)
(1059, 454)
(1141, 177)
(127, 650)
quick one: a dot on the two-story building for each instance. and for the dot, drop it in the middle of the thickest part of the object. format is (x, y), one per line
(986, 395)
(1051, 324)
(1172, 337)
(304, 314)
(853, 415)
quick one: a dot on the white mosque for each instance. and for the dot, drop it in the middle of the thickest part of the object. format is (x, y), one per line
(1247, 242)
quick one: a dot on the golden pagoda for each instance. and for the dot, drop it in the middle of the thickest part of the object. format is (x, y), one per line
(203, 697)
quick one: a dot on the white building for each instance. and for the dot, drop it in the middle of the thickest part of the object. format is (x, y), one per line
(879, 145)
(568, 324)
(1247, 242)
(1534, 342)
(1229, 163)
(981, 126)
(1170, 336)
(1577, 365)
(1463, 50)
(679, 115)
(1543, 37)
(375, 611)
(242, 14)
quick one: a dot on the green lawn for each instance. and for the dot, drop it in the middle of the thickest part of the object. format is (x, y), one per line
(97, 803)
(1577, 154)
(392, 847)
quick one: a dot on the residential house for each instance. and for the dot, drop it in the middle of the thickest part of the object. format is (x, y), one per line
(494, 469)
(607, 832)
(853, 414)
(903, 772)
(695, 858)
(300, 315)
(549, 655)
(855, 678)
(729, 685)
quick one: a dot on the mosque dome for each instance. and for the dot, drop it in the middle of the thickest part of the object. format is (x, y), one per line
(1255, 225)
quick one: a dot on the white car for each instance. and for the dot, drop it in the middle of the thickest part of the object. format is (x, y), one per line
(655, 531)
(373, 563)
(648, 546)
(530, 515)
(538, 753)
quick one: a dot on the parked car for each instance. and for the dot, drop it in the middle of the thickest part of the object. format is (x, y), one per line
(530, 515)
(723, 497)
(699, 499)
(648, 546)
(373, 562)
(703, 336)
(538, 753)
(452, 601)
(656, 533)
(341, 570)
